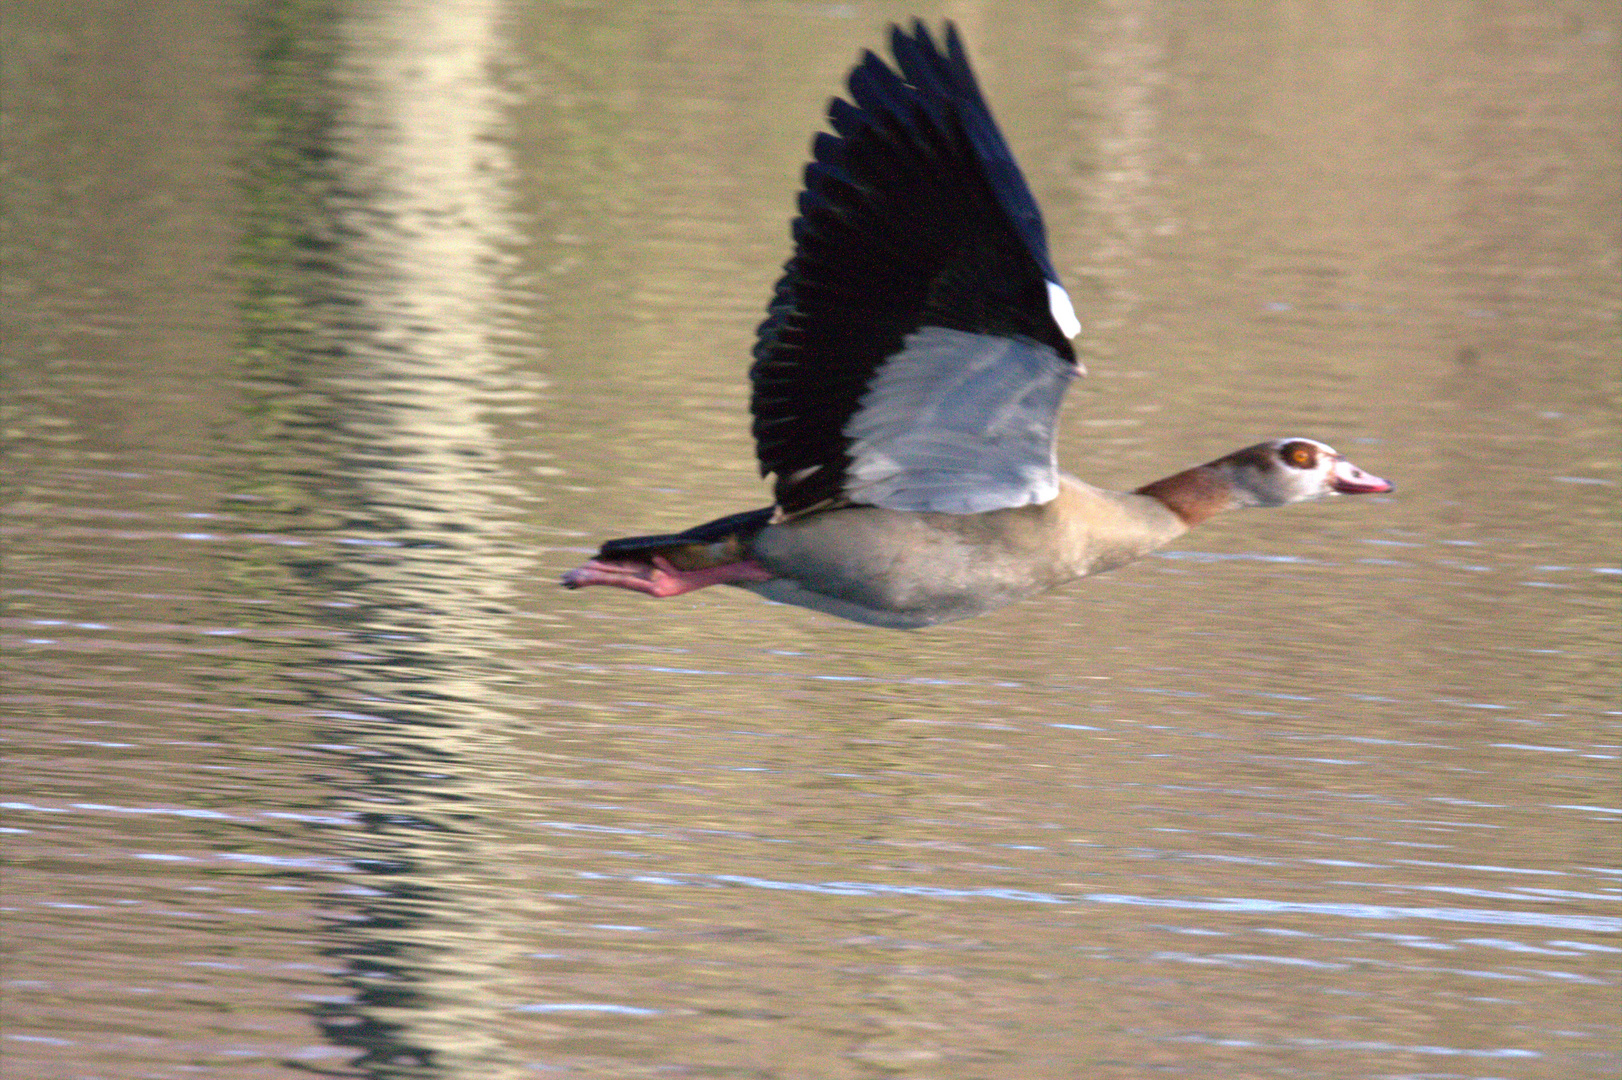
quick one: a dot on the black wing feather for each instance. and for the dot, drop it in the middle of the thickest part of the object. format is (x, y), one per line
(914, 214)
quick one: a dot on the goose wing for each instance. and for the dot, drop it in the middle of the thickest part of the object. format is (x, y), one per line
(917, 348)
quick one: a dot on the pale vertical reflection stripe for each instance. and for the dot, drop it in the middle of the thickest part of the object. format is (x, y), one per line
(426, 181)
(429, 213)
(432, 178)
(431, 226)
(1126, 64)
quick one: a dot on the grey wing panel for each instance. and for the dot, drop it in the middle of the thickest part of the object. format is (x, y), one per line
(958, 423)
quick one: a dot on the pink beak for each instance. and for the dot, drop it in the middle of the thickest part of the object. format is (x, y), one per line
(1348, 479)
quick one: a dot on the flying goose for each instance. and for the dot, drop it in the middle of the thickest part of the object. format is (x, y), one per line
(907, 381)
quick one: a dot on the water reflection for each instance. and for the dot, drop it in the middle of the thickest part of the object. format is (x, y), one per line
(376, 323)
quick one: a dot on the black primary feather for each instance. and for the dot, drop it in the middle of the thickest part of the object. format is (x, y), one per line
(914, 214)
(744, 526)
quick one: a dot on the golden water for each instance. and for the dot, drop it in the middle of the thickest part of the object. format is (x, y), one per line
(333, 335)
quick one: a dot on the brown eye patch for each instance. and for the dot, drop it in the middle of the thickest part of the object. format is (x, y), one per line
(1300, 454)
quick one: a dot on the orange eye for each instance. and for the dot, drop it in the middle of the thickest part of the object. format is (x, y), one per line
(1302, 457)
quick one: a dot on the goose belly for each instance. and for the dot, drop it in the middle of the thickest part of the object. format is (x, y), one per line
(906, 570)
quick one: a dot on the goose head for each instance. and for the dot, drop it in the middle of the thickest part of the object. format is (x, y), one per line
(1282, 471)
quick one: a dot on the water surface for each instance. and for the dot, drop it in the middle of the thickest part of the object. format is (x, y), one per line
(334, 334)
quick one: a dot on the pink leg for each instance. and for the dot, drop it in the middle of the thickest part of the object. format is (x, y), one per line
(659, 578)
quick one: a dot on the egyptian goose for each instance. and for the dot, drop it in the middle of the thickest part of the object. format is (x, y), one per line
(907, 381)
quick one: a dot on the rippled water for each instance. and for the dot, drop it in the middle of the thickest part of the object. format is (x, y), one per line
(334, 334)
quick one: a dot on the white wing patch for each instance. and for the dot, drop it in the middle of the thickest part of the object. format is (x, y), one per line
(959, 423)
(1063, 311)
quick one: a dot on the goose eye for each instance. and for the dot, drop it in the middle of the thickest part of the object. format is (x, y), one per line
(1301, 455)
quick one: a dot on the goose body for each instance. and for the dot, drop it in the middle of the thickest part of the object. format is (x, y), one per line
(907, 569)
(907, 382)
